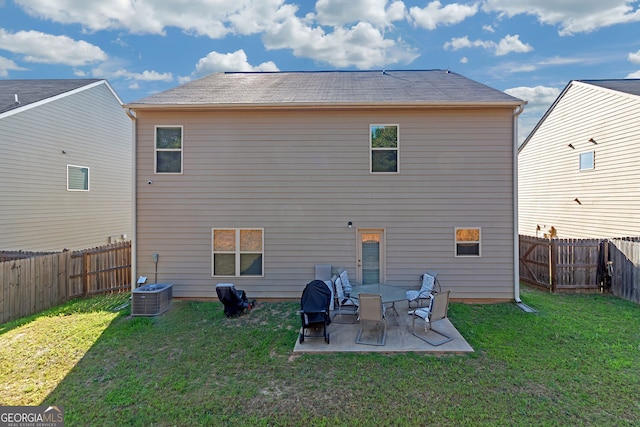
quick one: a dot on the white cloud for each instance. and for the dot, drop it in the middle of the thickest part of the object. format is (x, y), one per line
(457, 43)
(634, 57)
(535, 64)
(344, 12)
(488, 28)
(212, 18)
(434, 14)
(148, 76)
(505, 46)
(236, 61)
(539, 99)
(570, 16)
(355, 37)
(464, 60)
(7, 65)
(635, 75)
(252, 17)
(115, 69)
(512, 44)
(361, 45)
(35, 46)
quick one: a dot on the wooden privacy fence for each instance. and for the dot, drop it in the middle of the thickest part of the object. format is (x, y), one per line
(561, 264)
(582, 265)
(30, 285)
(625, 268)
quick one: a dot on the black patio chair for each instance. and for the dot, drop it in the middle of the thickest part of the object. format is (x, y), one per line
(314, 310)
(235, 301)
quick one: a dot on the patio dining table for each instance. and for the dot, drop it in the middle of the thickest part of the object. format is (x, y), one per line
(390, 293)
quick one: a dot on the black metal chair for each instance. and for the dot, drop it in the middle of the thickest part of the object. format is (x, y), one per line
(314, 310)
(235, 301)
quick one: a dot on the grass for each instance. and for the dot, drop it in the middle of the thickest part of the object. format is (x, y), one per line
(575, 362)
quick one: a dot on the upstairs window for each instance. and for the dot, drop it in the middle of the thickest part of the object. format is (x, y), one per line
(384, 148)
(77, 178)
(237, 252)
(168, 149)
(587, 160)
(467, 241)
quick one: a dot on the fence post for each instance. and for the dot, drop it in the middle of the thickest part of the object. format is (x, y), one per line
(65, 273)
(553, 268)
(85, 273)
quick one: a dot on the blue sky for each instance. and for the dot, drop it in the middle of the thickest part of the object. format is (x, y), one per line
(528, 48)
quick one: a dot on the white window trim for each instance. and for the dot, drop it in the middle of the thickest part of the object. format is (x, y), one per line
(88, 178)
(397, 149)
(593, 163)
(155, 150)
(455, 242)
(237, 252)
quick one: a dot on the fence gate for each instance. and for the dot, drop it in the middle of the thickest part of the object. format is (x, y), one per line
(625, 257)
(575, 264)
(535, 261)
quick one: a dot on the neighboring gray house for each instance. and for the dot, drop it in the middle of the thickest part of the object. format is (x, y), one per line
(578, 169)
(65, 168)
(253, 178)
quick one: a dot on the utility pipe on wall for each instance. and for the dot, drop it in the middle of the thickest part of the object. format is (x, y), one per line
(516, 238)
(134, 229)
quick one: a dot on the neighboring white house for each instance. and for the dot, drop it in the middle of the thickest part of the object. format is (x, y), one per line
(253, 178)
(578, 169)
(65, 168)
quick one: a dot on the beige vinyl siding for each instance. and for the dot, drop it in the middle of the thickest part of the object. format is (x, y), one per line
(303, 175)
(37, 211)
(549, 175)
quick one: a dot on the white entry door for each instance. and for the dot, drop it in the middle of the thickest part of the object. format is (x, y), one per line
(371, 256)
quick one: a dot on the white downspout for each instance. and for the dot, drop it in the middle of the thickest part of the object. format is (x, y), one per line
(134, 228)
(516, 238)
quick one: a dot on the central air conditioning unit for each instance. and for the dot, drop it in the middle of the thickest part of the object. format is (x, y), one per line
(152, 299)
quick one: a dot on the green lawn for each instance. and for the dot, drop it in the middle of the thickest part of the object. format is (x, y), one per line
(575, 362)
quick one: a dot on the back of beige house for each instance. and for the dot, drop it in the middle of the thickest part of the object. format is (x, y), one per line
(253, 178)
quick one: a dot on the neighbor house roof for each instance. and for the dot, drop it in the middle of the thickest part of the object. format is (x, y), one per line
(630, 86)
(328, 88)
(20, 93)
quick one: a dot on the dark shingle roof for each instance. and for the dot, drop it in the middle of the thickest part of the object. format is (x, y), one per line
(630, 86)
(30, 91)
(330, 88)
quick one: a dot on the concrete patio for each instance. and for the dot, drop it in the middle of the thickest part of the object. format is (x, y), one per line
(399, 337)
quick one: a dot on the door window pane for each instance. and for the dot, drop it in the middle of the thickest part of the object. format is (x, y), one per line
(371, 261)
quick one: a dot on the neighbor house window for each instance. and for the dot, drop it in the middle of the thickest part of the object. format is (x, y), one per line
(384, 148)
(168, 149)
(77, 178)
(467, 241)
(587, 160)
(237, 252)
